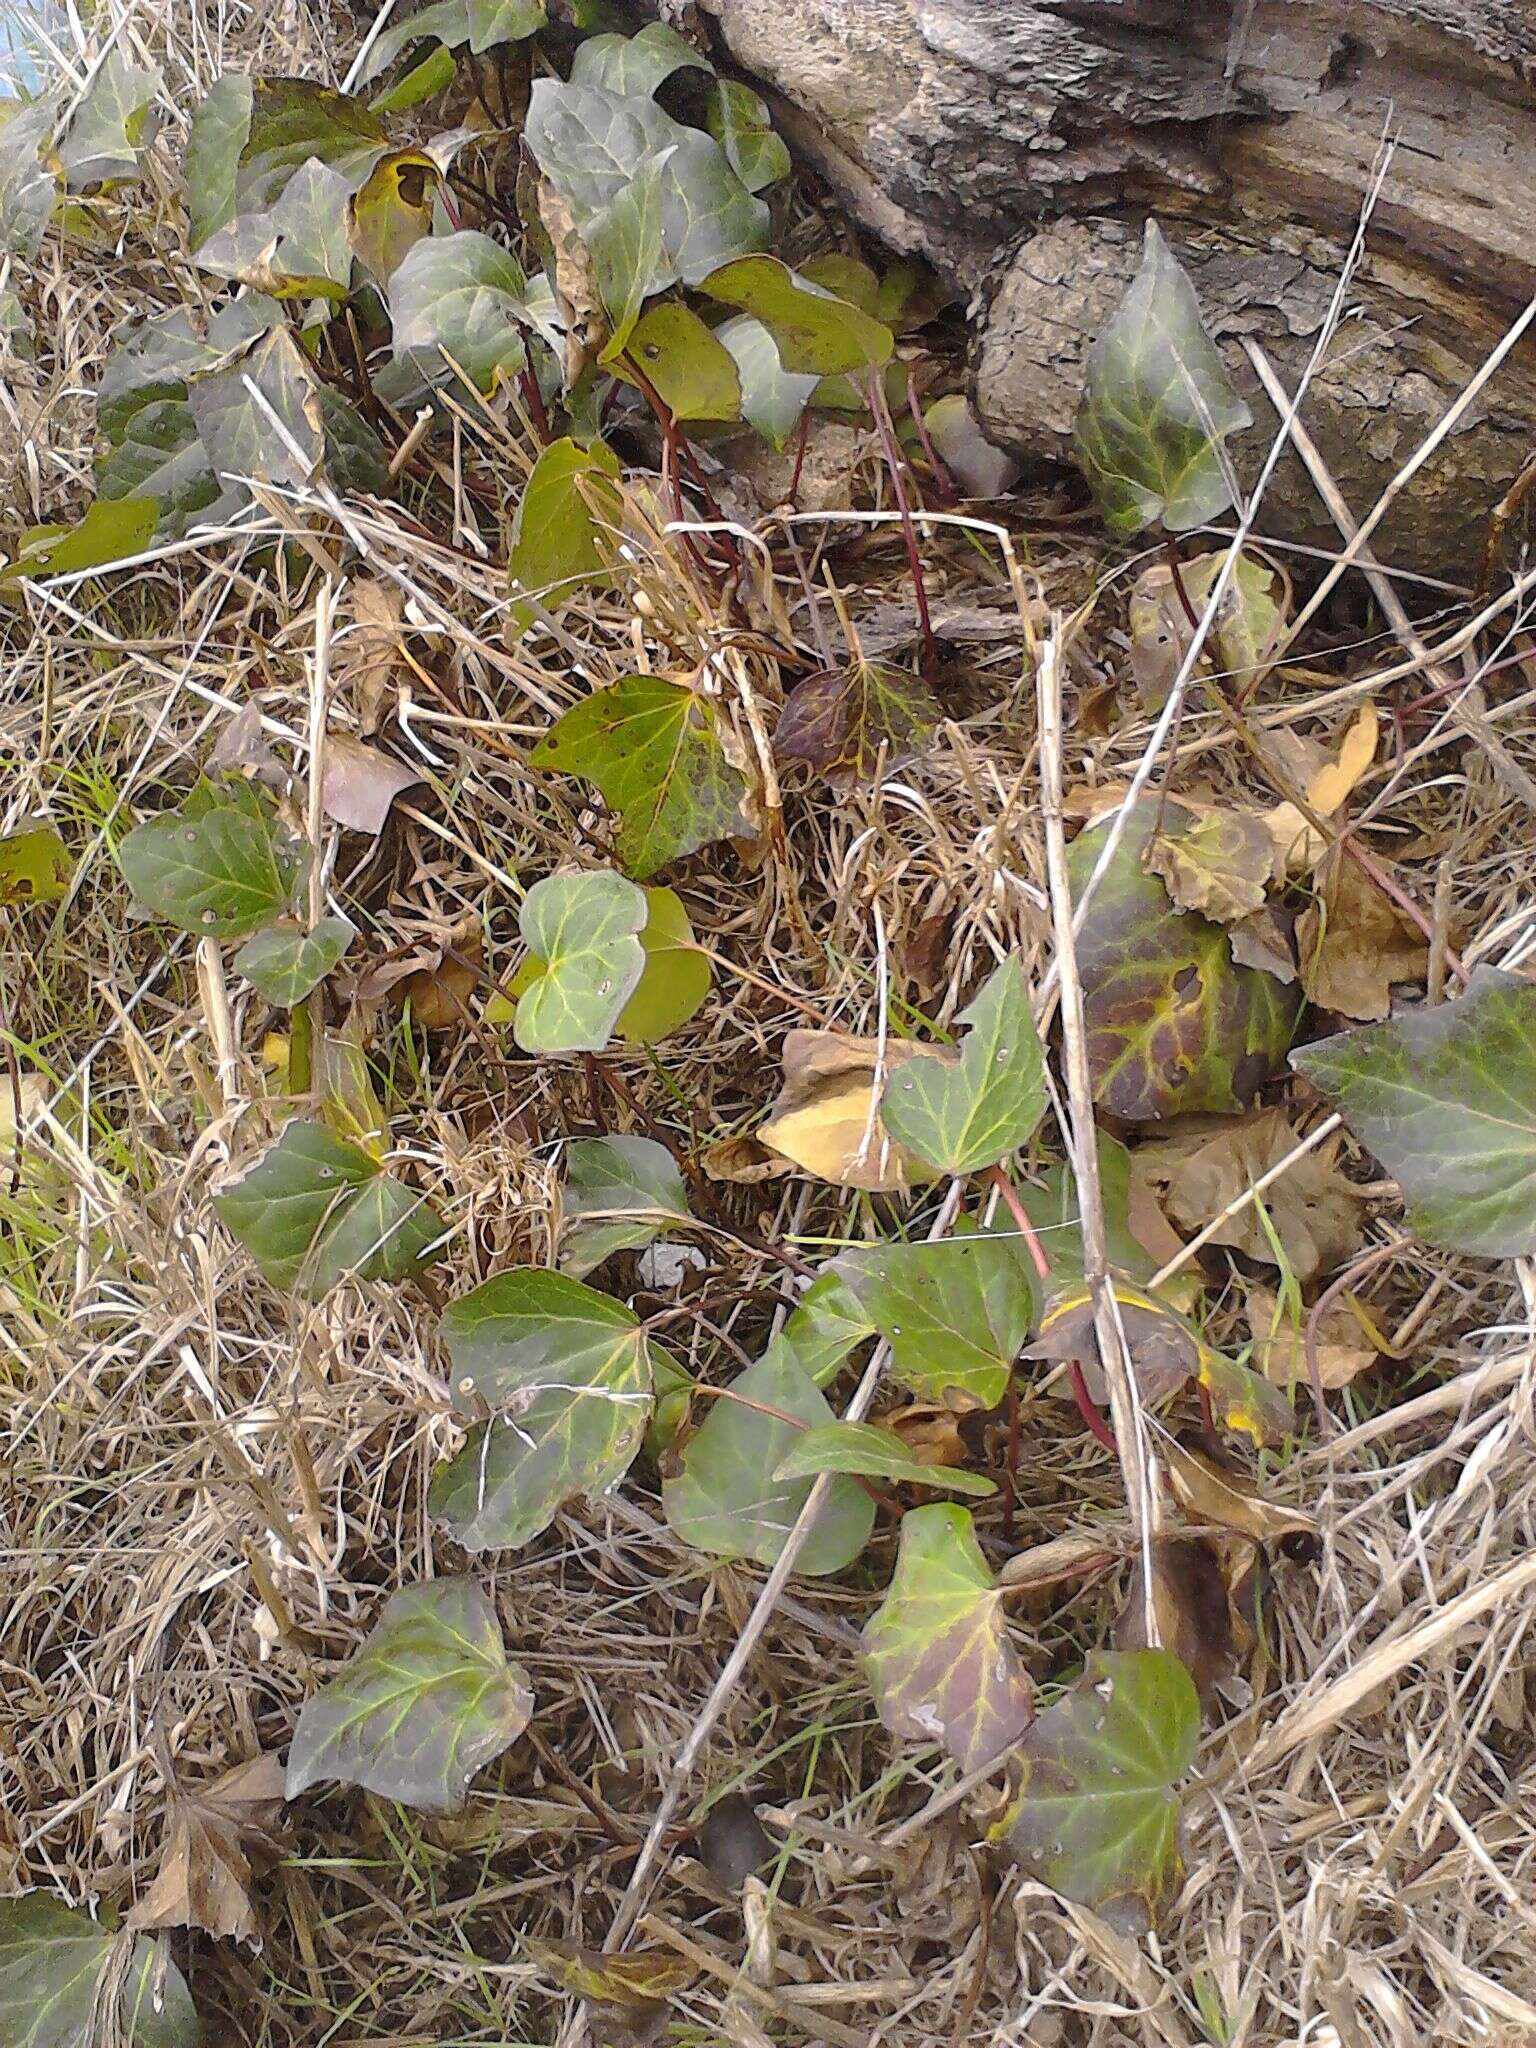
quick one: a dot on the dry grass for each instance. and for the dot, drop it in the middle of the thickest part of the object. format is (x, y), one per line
(209, 1486)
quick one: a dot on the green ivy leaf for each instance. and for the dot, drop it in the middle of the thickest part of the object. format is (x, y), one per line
(961, 1118)
(459, 296)
(814, 331)
(941, 1666)
(1157, 404)
(568, 1376)
(708, 216)
(160, 459)
(636, 64)
(740, 122)
(1097, 1818)
(954, 1312)
(867, 1451)
(825, 1325)
(1446, 1099)
(620, 1194)
(846, 278)
(111, 530)
(314, 1208)
(693, 372)
(772, 398)
(220, 868)
(1055, 1210)
(236, 428)
(590, 143)
(850, 722)
(52, 1957)
(27, 186)
(675, 979)
(427, 1699)
(1174, 1025)
(568, 512)
(157, 357)
(584, 927)
(217, 134)
(106, 131)
(650, 747)
(34, 866)
(434, 74)
(391, 211)
(294, 119)
(297, 248)
(480, 23)
(725, 1500)
(285, 962)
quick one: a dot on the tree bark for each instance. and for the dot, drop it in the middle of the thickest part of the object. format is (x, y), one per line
(1020, 145)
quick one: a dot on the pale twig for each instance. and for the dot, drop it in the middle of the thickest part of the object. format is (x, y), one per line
(1137, 1462)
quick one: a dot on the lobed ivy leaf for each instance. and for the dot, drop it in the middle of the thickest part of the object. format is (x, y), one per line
(568, 1376)
(1097, 1816)
(314, 1208)
(940, 1662)
(220, 124)
(636, 64)
(481, 24)
(725, 1500)
(959, 1118)
(159, 458)
(297, 248)
(825, 1325)
(814, 330)
(852, 722)
(772, 398)
(293, 120)
(1446, 1099)
(1157, 404)
(584, 928)
(1174, 1024)
(235, 405)
(157, 356)
(870, 1452)
(54, 1993)
(1055, 1210)
(651, 748)
(620, 1194)
(954, 1312)
(740, 122)
(111, 530)
(693, 371)
(425, 1700)
(565, 519)
(708, 216)
(110, 125)
(459, 297)
(285, 962)
(219, 867)
(34, 866)
(590, 143)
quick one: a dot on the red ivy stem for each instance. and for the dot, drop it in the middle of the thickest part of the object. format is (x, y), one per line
(943, 483)
(882, 413)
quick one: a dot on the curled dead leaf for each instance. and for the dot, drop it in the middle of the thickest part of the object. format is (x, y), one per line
(1164, 1350)
(1204, 1602)
(1219, 862)
(826, 1119)
(1046, 1565)
(369, 650)
(360, 783)
(1348, 1340)
(1355, 946)
(205, 1873)
(1210, 1489)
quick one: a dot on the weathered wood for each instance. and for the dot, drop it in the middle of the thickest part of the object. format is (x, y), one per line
(1019, 144)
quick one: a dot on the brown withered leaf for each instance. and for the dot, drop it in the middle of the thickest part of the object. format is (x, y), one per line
(575, 281)
(1206, 1162)
(847, 722)
(1046, 1565)
(1325, 784)
(1210, 1489)
(360, 783)
(1348, 1341)
(367, 653)
(743, 1160)
(1218, 862)
(1334, 784)
(1266, 939)
(1355, 946)
(930, 1432)
(925, 957)
(1203, 1599)
(825, 1120)
(243, 746)
(205, 1874)
(627, 1995)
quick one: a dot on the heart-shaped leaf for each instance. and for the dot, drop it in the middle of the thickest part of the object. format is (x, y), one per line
(585, 930)
(1097, 1818)
(109, 532)
(650, 747)
(155, 359)
(850, 722)
(567, 519)
(1157, 404)
(1174, 1025)
(772, 398)
(620, 1193)
(725, 1500)
(425, 1700)
(297, 248)
(740, 122)
(567, 1374)
(1446, 1099)
(867, 1451)
(315, 1208)
(675, 979)
(940, 1663)
(637, 63)
(482, 24)
(110, 124)
(962, 1118)
(458, 297)
(708, 216)
(34, 866)
(391, 211)
(954, 1312)
(814, 330)
(589, 143)
(52, 1957)
(285, 962)
(223, 871)
(694, 374)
